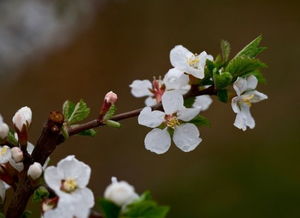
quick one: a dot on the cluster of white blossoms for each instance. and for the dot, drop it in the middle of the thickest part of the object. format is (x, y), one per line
(174, 122)
(69, 180)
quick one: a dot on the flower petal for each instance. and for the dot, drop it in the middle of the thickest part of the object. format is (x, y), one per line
(240, 122)
(53, 178)
(176, 80)
(140, 88)
(186, 137)
(234, 104)
(151, 118)
(179, 56)
(188, 114)
(258, 96)
(158, 141)
(150, 101)
(240, 85)
(251, 82)
(203, 102)
(172, 102)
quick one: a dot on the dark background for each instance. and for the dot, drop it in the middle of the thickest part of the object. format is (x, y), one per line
(232, 173)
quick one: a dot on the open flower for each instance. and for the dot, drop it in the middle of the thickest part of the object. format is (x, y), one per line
(173, 80)
(175, 118)
(184, 60)
(121, 193)
(4, 129)
(69, 180)
(246, 95)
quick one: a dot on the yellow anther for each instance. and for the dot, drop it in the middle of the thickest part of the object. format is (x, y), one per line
(172, 121)
(69, 185)
(247, 99)
(193, 61)
(3, 151)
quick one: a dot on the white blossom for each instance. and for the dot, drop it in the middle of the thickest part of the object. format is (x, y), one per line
(22, 117)
(175, 116)
(120, 192)
(246, 95)
(184, 60)
(173, 80)
(35, 170)
(203, 102)
(5, 154)
(69, 180)
(4, 129)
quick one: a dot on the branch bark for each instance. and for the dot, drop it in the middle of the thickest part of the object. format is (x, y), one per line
(51, 137)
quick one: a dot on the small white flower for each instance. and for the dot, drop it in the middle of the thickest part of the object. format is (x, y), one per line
(17, 154)
(203, 102)
(246, 95)
(35, 170)
(121, 193)
(5, 154)
(173, 80)
(175, 115)
(69, 180)
(184, 60)
(22, 117)
(4, 129)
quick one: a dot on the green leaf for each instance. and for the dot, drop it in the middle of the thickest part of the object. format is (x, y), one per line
(64, 131)
(68, 108)
(222, 80)
(79, 113)
(109, 209)
(189, 102)
(89, 132)
(146, 196)
(40, 194)
(145, 209)
(223, 95)
(243, 65)
(200, 121)
(112, 110)
(225, 48)
(112, 123)
(11, 138)
(252, 49)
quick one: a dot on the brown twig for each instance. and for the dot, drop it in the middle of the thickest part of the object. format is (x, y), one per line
(51, 136)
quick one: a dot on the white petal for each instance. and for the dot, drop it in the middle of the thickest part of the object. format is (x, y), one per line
(186, 137)
(251, 82)
(150, 101)
(75, 169)
(245, 111)
(203, 102)
(188, 114)
(18, 166)
(86, 197)
(240, 122)
(234, 104)
(53, 178)
(240, 85)
(158, 141)
(176, 80)
(5, 154)
(197, 73)
(151, 118)
(140, 88)
(172, 102)
(179, 56)
(258, 96)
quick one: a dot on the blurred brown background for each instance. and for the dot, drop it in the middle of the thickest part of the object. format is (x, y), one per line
(232, 173)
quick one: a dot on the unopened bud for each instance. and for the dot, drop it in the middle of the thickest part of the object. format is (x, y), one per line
(22, 117)
(111, 97)
(17, 154)
(35, 170)
(4, 129)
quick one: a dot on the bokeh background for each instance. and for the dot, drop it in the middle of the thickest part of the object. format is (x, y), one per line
(82, 49)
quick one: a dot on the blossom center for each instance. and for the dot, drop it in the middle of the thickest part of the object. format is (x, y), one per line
(193, 61)
(247, 99)
(3, 151)
(158, 89)
(68, 185)
(172, 121)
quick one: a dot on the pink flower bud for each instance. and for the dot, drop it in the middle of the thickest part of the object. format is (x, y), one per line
(35, 170)
(111, 97)
(17, 154)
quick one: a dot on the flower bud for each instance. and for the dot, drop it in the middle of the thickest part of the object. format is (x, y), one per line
(4, 129)
(111, 97)
(22, 117)
(35, 170)
(17, 154)
(121, 193)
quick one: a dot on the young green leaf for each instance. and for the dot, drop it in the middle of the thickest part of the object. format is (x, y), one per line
(89, 132)
(222, 80)
(223, 95)
(252, 49)
(112, 123)
(40, 194)
(11, 138)
(80, 112)
(225, 48)
(64, 131)
(68, 108)
(200, 121)
(109, 209)
(112, 110)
